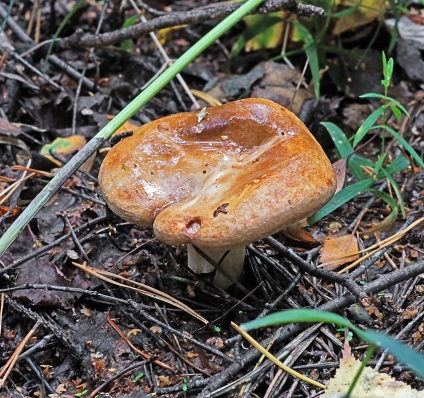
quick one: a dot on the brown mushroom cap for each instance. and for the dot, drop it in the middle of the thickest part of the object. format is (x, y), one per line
(225, 176)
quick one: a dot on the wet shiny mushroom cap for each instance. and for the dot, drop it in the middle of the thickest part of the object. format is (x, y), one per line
(222, 177)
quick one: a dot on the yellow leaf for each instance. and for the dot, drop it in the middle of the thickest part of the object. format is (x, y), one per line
(62, 147)
(366, 12)
(371, 384)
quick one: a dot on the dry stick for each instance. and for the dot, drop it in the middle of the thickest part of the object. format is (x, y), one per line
(74, 349)
(10, 50)
(117, 376)
(84, 71)
(17, 30)
(263, 368)
(336, 305)
(4, 373)
(74, 237)
(46, 248)
(80, 39)
(183, 335)
(343, 280)
(376, 256)
(398, 336)
(139, 352)
(39, 374)
(166, 58)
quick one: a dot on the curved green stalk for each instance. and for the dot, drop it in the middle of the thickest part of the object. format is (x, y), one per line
(105, 133)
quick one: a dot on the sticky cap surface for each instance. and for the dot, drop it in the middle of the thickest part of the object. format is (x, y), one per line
(221, 177)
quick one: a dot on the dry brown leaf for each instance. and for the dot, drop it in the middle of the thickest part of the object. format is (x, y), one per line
(340, 170)
(165, 381)
(338, 251)
(296, 232)
(371, 384)
(192, 355)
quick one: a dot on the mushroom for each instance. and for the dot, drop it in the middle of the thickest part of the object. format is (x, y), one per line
(219, 179)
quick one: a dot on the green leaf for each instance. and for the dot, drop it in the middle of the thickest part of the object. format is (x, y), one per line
(397, 112)
(379, 163)
(397, 103)
(391, 218)
(340, 140)
(127, 44)
(340, 198)
(347, 12)
(397, 190)
(312, 53)
(354, 163)
(404, 143)
(367, 125)
(253, 30)
(400, 351)
(399, 163)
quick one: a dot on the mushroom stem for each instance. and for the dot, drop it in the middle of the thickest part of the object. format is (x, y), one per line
(231, 265)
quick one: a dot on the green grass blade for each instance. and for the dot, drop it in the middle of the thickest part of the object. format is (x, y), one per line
(399, 163)
(341, 198)
(355, 162)
(127, 44)
(397, 103)
(68, 16)
(379, 164)
(340, 140)
(400, 351)
(391, 218)
(367, 125)
(404, 143)
(397, 190)
(106, 132)
(312, 53)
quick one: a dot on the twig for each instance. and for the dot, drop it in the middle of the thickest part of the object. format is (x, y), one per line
(17, 30)
(117, 376)
(4, 373)
(74, 349)
(46, 248)
(343, 280)
(336, 305)
(206, 347)
(80, 39)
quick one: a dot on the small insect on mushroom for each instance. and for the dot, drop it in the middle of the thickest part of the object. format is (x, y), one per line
(184, 205)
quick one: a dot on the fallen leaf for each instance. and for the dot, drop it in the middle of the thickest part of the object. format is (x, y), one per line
(44, 272)
(340, 170)
(366, 12)
(165, 381)
(192, 355)
(338, 251)
(296, 232)
(86, 311)
(269, 35)
(63, 148)
(371, 384)
(7, 128)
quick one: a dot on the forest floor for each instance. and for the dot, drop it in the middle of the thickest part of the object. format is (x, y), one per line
(68, 282)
